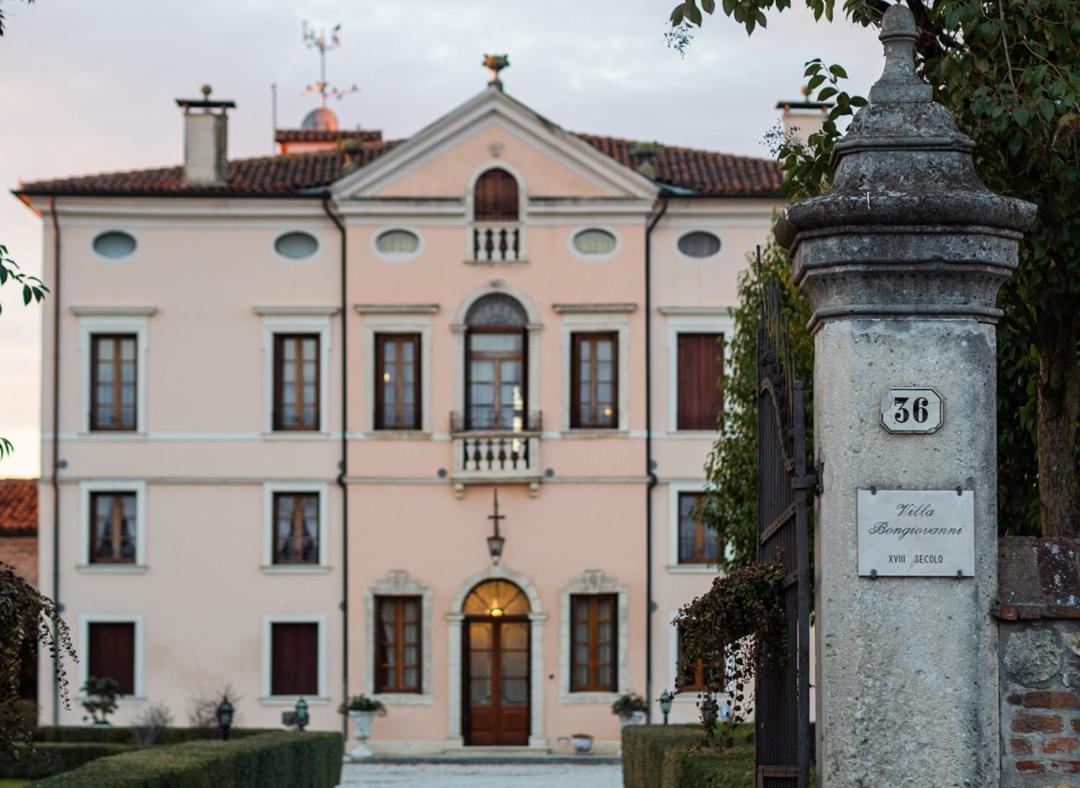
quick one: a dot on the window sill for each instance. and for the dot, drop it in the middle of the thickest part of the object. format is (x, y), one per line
(111, 569)
(588, 697)
(298, 569)
(398, 435)
(520, 261)
(290, 700)
(296, 435)
(692, 569)
(403, 698)
(112, 435)
(691, 434)
(592, 433)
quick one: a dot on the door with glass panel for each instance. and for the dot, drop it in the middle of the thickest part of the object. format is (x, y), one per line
(496, 666)
(496, 388)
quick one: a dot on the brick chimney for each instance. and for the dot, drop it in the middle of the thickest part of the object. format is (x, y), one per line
(205, 139)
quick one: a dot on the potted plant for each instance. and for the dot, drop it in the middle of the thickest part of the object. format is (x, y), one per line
(630, 709)
(582, 742)
(361, 711)
(99, 699)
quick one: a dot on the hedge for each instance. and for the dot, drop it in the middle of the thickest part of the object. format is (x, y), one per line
(663, 756)
(304, 760)
(53, 758)
(126, 735)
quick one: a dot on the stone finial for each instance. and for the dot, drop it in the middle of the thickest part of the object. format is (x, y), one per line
(899, 82)
(496, 63)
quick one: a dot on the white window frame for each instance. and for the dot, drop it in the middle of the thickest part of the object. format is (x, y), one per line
(267, 657)
(681, 255)
(140, 327)
(595, 323)
(722, 323)
(595, 258)
(290, 324)
(86, 513)
(395, 324)
(591, 583)
(85, 620)
(269, 489)
(523, 208)
(397, 257)
(674, 567)
(398, 583)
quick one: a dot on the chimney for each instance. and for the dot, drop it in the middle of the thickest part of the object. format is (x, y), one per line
(205, 139)
(802, 118)
(643, 158)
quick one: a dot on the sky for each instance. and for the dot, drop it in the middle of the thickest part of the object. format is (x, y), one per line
(89, 86)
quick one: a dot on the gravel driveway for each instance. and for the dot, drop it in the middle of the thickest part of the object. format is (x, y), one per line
(484, 775)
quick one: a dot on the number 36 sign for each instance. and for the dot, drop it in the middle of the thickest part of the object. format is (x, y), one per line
(912, 410)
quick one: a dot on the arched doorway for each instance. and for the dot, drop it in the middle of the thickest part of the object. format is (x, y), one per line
(495, 670)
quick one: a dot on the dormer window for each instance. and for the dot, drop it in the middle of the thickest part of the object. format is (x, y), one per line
(497, 236)
(495, 197)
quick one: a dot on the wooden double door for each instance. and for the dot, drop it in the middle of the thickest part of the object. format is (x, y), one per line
(496, 684)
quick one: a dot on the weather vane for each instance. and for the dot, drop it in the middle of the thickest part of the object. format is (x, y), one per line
(324, 44)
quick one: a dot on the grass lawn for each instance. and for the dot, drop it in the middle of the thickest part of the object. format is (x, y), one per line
(12, 783)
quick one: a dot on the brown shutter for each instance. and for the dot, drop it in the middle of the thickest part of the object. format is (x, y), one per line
(700, 381)
(495, 197)
(111, 653)
(294, 659)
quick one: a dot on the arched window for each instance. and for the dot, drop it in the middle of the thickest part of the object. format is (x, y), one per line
(495, 197)
(495, 386)
(496, 598)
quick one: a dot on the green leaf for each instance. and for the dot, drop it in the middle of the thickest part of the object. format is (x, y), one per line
(693, 13)
(838, 70)
(27, 294)
(826, 93)
(708, 6)
(816, 80)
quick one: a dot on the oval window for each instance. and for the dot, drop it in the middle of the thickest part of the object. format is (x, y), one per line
(296, 245)
(114, 244)
(398, 242)
(699, 244)
(594, 242)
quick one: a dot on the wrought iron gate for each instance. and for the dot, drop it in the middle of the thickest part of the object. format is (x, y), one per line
(782, 713)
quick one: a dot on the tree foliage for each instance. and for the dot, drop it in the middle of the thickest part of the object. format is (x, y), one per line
(1009, 71)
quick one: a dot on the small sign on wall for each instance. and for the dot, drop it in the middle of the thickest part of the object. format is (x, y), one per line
(912, 410)
(916, 533)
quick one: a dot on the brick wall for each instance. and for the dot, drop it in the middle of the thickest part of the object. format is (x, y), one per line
(1038, 615)
(21, 553)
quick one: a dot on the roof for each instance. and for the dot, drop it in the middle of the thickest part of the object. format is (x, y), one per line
(327, 135)
(696, 172)
(18, 507)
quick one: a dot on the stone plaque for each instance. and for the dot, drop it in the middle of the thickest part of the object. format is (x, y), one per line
(916, 533)
(912, 410)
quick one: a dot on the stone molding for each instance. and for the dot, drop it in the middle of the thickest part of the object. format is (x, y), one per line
(594, 581)
(398, 583)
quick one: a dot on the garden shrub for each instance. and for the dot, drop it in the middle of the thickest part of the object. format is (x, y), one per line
(126, 735)
(671, 756)
(54, 758)
(303, 760)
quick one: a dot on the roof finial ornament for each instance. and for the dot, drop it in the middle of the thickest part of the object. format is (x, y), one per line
(496, 63)
(899, 83)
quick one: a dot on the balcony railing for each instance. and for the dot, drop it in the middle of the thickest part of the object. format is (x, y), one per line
(496, 242)
(489, 452)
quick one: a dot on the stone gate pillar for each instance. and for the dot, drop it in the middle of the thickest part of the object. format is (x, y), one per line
(901, 261)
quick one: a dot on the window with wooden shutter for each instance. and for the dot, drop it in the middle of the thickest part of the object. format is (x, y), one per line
(700, 381)
(593, 643)
(397, 644)
(296, 528)
(294, 658)
(594, 380)
(110, 653)
(397, 382)
(495, 197)
(296, 381)
(113, 528)
(113, 382)
(698, 543)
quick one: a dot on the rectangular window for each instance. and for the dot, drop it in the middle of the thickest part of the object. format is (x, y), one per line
(110, 653)
(113, 382)
(296, 528)
(700, 380)
(397, 644)
(294, 655)
(698, 543)
(593, 642)
(113, 532)
(397, 381)
(495, 389)
(296, 381)
(692, 679)
(594, 380)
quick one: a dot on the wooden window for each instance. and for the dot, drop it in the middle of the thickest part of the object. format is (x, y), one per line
(113, 528)
(294, 659)
(593, 643)
(296, 528)
(698, 543)
(692, 677)
(397, 381)
(700, 380)
(594, 380)
(110, 653)
(296, 381)
(397, 644)
(495, 389)
(495, 197)
(113, 381)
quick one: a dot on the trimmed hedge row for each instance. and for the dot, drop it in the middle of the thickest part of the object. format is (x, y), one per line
(663, 756)
(126, 735)
(54, 758)
(304, 760)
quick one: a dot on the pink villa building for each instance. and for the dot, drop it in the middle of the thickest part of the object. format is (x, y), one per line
(279, 393)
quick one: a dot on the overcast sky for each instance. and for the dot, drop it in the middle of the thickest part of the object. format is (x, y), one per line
(89, 87)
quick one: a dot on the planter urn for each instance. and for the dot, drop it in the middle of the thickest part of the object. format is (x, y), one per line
(361, 724)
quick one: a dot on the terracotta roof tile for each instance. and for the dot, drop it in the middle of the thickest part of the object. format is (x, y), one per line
(697, 171)
(18, 507)
(327, 135)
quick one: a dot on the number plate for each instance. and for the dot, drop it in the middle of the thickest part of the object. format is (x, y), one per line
(918, 410)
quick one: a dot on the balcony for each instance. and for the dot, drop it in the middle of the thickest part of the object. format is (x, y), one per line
(486, 452)
(497, 242)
